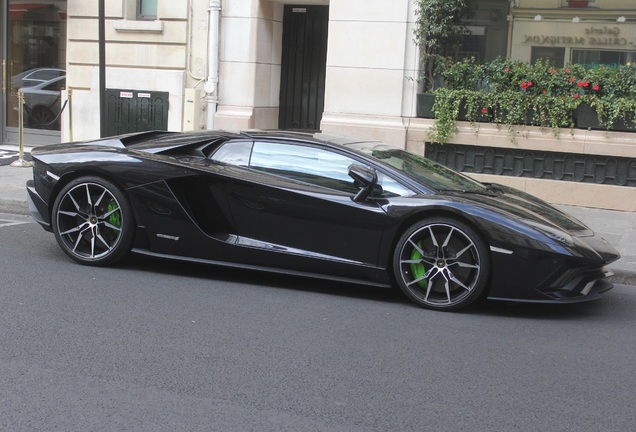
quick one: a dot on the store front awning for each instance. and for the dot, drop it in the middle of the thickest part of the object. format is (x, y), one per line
(19, 10)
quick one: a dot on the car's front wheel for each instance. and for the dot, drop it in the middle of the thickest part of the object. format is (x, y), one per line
(93, 221)
(442, 264)
(42, 118)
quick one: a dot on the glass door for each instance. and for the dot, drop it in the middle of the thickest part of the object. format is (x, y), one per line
(34, 64)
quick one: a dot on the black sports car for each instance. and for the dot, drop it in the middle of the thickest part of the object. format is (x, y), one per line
(314, 205)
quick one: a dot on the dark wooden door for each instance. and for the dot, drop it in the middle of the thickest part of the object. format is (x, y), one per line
(304, 61)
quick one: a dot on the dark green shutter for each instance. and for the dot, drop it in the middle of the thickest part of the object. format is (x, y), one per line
(135, 111)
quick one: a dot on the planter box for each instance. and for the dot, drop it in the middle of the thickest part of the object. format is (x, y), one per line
(480, 117)
(528, 121)
(425, 102)
(587, 118)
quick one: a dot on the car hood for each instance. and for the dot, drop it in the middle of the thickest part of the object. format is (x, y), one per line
(539, 215)
(520, 205)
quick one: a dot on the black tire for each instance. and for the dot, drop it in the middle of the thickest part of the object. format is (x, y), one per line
(442, 264)
(93, 221)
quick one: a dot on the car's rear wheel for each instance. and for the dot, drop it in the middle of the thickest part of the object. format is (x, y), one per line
(93, 221)
(442, 264)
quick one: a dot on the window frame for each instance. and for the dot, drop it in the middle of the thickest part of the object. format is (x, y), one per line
(565, 4)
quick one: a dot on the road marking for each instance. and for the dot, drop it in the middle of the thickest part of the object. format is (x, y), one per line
(7, 154)
(10, 220)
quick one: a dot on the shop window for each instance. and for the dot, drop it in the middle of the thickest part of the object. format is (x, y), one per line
(487, 31)
(592, 58)
(554, 55)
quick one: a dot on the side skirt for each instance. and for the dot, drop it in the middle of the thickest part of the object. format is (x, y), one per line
(261, 268)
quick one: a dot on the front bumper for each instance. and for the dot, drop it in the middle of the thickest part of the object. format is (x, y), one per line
(574, 286)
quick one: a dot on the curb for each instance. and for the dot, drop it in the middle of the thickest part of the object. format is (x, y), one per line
(623, 277)
(14, 206)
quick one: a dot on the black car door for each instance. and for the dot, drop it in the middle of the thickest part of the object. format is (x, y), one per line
(297, 199)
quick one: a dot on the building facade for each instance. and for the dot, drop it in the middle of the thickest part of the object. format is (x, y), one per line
(343, 66)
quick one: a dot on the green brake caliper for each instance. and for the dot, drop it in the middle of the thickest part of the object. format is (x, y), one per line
(417, 269)
(115, 218)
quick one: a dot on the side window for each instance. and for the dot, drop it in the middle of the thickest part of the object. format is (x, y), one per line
(307, 164)
(45, 74)
(57, 85)
(392, 188)
(234, 153)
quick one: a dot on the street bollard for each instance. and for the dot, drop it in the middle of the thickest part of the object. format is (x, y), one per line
(21, 162)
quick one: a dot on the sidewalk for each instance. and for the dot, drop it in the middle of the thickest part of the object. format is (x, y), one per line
(618, 228)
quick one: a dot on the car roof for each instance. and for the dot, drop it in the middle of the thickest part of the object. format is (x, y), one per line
(305, 136)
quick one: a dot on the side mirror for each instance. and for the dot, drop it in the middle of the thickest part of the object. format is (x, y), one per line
(365, 176)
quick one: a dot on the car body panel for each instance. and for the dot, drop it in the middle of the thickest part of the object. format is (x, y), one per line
(190, 207)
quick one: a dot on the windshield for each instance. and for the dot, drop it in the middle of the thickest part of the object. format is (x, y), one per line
(421, 169)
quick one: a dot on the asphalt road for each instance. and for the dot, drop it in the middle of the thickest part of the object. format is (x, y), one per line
(156, 346)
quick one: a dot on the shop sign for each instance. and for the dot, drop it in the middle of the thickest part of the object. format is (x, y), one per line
(594, 36)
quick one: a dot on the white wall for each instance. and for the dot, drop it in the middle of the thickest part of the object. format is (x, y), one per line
(140, 55)
(371, 55)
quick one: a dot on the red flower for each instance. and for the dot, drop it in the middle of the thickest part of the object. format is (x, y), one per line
(576, 95)
(580, 84)
(524, 85)
(596, 87)
(506, 70)
(585, 83)
(484, 110)
(552, 71)
(567, 71)
(571, 79)
(544, 91)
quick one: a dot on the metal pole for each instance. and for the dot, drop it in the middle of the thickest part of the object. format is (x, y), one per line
(211, 85)
(70, 115)
(102, 69)
(21, 162)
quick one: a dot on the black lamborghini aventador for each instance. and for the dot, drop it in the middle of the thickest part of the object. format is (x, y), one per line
(313, 205)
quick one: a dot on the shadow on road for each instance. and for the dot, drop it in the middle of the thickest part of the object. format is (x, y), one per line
(607, 305)
(265, 279)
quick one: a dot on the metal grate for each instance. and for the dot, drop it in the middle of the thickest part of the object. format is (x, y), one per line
(581, 168)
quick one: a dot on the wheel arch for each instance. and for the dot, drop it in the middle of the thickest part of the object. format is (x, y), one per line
(443, 212)
(447, 212)
(73, 175)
